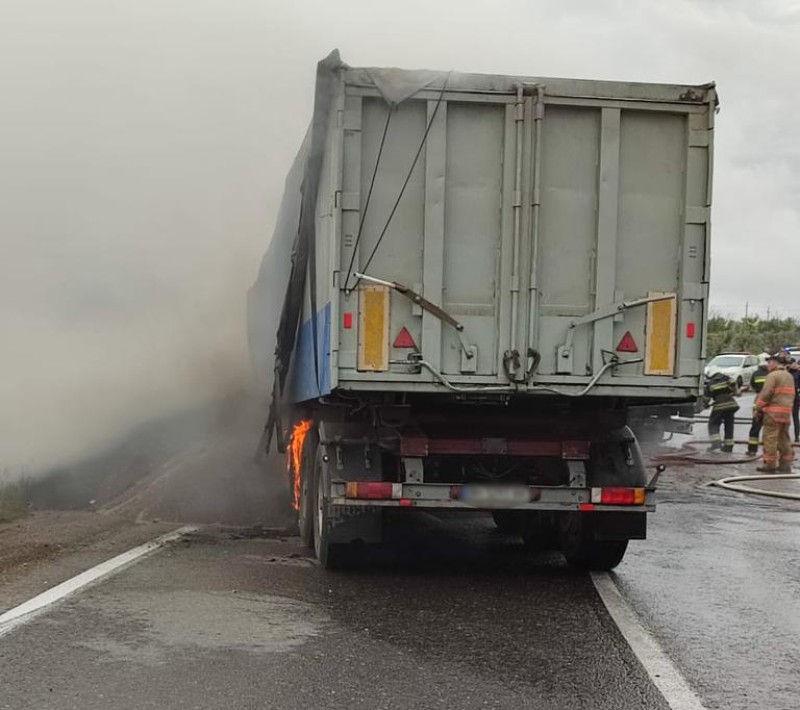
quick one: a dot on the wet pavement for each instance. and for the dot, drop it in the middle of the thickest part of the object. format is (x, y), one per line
(718, 582)
(216, 622)
(451, 613)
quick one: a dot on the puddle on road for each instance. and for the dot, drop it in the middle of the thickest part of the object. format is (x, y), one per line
(147, 628)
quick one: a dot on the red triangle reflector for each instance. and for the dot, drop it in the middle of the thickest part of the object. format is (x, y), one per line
(404, 339)
(628, 344)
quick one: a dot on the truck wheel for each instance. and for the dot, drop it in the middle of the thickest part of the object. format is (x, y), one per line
(307, 502)
(581, 549)
(596, 555)
(330, 555)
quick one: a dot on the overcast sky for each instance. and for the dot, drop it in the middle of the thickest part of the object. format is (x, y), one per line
(144, 143)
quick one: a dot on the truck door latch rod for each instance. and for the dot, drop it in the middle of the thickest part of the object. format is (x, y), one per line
(425, 305)
(610, 311)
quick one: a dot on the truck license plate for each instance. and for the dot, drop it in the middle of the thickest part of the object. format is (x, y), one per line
(495, 496)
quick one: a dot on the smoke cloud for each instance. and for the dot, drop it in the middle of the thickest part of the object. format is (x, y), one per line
(138, 187)
(144, 147)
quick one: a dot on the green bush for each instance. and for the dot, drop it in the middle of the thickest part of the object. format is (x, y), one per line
(752, 334)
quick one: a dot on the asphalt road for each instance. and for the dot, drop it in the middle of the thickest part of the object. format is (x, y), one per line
(450, 614)
(216, 622)
(718, 582)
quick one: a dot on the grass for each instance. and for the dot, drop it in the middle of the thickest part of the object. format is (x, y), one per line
(13, 501)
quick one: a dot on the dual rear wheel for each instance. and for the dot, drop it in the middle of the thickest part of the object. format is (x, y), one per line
(313, 515)
(572, 534)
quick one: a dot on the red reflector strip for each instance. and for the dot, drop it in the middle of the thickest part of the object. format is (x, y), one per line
(406, 502)
(618, 496)
(690, 330)
(348, 321)
(586, 506)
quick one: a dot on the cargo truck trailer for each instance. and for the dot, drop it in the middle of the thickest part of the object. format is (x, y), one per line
(480, 275)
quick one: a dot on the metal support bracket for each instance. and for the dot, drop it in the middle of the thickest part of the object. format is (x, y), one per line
(651, 486)
(469, 358)
(577, 474)
(413, 470)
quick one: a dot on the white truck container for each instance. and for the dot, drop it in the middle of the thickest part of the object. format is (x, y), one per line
(487, 273)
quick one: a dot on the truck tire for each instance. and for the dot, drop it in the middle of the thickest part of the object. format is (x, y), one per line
(330, 555)
(307, 502)
(581, 549)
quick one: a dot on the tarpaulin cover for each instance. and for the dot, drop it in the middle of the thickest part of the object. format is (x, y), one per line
(301, 233)
(273, 331)
(397, 85)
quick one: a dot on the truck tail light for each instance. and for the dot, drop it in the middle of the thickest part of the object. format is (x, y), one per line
(374, 490)
(618, 496)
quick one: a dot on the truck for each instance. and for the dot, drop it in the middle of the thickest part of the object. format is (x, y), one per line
(473, 280)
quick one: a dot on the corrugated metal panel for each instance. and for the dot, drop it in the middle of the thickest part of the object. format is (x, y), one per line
(613, 208)
(568, 231)
(472, 221)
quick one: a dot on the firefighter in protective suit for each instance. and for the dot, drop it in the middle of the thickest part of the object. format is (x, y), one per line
(757, 380)
(774, 404)
(719, 392)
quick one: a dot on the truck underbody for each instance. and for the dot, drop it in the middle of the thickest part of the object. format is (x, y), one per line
(566, 475)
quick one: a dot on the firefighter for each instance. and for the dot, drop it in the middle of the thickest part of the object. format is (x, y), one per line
(774, 405)
(756, 384)
(719, 391)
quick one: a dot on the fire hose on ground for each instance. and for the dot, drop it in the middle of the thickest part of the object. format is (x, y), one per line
(734, 483)
(688, 453)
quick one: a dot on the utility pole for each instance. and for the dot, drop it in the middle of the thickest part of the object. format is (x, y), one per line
(767, 312)
(746, 309)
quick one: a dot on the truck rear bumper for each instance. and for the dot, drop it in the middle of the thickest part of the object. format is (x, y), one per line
(491, 497)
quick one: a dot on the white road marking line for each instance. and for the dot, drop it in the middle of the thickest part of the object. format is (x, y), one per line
(26, 611)
(662, 671)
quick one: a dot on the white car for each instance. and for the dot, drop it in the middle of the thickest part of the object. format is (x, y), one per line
(738, 366)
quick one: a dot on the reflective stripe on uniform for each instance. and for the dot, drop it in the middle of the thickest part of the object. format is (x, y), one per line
(781, 415)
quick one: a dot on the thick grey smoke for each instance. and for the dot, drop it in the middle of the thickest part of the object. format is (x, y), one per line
(144, 145)
(142, 164)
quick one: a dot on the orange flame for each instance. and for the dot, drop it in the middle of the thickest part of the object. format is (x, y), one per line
(295, 452)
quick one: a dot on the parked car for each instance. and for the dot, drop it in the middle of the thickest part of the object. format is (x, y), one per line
(737, 366)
